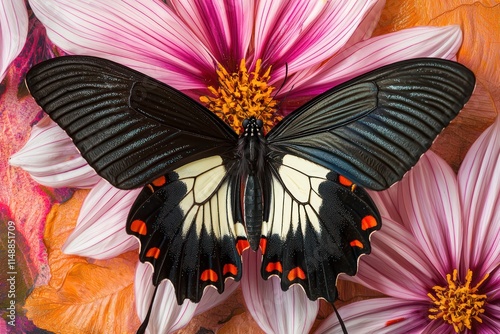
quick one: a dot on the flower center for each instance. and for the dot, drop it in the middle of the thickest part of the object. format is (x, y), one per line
(241, 95)
(458, 304)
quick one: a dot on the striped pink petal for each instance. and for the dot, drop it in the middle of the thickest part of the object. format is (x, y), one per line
(13, 32)
(397, 265)
(275, 311)
(479, 181)
(438, 42)
(100, 230)
(379, 315)
(52, 160)
(142, 34)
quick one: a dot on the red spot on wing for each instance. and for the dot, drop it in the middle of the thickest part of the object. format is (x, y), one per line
(153, 252)
(356, 243)
(241, 245)
(139, 227)
(368, 222)
(394, 321)
(263, 245)
(345, 181)
(295, 273)
(209, 275)
(160, 181)
(274, 266)
(230, 268)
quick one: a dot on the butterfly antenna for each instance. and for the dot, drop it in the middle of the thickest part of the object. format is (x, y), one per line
(341, 322)
(144, 324)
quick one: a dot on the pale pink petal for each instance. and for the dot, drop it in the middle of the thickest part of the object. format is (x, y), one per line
(142, 34)
(100, 230)
(166, 316)
(13, 31)
(223, 26)
(367, 25)
(438, 42)
(479, 181)
(396, 266)
(319, 30)
(211, 297)
(275, 311)
(379, 315)
(52, 159)
(429, 205)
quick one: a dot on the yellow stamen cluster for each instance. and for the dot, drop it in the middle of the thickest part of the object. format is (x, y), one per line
(458, 304)
(242, 95)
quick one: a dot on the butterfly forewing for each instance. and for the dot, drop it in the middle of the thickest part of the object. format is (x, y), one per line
(318, 224)
(374, 128)
(129, 127)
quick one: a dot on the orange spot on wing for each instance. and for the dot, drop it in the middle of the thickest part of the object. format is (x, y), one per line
(139, 227)
(368, 222)
(345, 181)
(241, 245)
(153, 252)
(230, 268)
(274, 266)
(209, 275)
(393, 321)
(356, 243)
(160, 181)
(263, 245)
(296, 272)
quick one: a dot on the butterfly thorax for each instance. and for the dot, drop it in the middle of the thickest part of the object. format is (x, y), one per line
(252, 152)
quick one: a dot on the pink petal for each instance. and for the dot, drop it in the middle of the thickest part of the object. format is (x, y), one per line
(380, 315)
(367, 25)
(211, 297)
(224, 27)
(479, 181)
(429, 205)
(397, 266)
(13, 32)
(304, 34)
(100, 230)
(275, 311)
(166, 316)
(52, 160)
(439, 42)
(142, 34)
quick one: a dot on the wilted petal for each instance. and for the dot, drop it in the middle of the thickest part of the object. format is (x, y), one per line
(437, 42)
(166, 315)
(224, 27)
(379, 315)
(52, 159)
(13, 31)
(397, 266)
(479, 182)
(275, 311)
(100, 230)
(142, 34)
(429, 205)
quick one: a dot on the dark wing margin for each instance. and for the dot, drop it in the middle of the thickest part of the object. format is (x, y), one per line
(129, 127)
(374, 128)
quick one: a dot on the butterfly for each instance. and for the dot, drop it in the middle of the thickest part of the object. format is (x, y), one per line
(296, 193)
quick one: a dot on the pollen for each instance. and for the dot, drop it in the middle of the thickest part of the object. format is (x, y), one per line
(458, 304)
(243, 94)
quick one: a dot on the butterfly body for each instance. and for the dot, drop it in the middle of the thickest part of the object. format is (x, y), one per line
(296, 193)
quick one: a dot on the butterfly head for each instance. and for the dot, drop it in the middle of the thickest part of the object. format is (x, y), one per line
(252, 127)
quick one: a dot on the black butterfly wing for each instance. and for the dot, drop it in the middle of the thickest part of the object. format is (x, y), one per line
(374, 128)
(189, 226)
(317, 224)
(129, 127)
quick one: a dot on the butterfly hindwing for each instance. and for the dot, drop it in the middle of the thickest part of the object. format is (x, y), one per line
(375, 127)
(187, 227)
(129, 127)
(316, 226)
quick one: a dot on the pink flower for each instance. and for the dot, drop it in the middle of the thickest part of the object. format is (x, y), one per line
(189, 45)
(438, 256)
(13, 32)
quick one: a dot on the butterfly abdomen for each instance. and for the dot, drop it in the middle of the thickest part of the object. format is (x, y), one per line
(253, 210)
